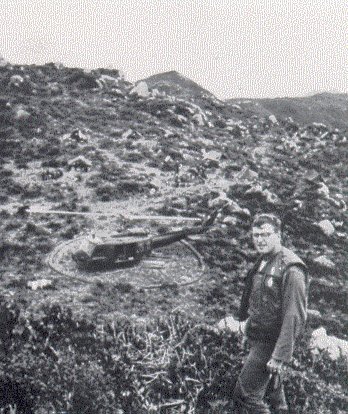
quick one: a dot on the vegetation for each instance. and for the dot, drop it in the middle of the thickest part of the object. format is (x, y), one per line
(56, 362)
(101, 345)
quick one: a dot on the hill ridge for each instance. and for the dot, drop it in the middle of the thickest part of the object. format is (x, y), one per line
(176, 83)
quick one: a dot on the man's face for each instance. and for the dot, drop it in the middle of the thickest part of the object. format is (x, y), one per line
(265, 239)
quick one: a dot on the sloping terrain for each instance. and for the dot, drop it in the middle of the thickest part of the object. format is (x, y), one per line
(328, 108)
(82, 141)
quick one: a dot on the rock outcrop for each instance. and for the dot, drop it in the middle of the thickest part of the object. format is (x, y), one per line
(321, 341)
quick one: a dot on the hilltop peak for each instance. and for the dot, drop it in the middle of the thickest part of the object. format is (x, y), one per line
(171, 75)
(175, 83)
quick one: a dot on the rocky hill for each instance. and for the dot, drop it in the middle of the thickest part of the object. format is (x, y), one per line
(328, 108)
(89, 141)
(175, 84)
(83, 141)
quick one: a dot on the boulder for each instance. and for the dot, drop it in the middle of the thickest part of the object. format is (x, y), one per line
(16, 80)
(246, 174)
(319, 125)
(168, 133)
(51, 174)
(231, 324)
(54, 88)
(39, 284)
(273, 119)
(78, 136)
(182, 119)
(266, 194)
(323, 190)
(198, 119)
(335, 347)
(313, 313)
(117, 92)
(259, 152)
(325, 262)
(127, 133)
(211, 159)
(271, 198)
(131, 134)
(58, 65)
(230, 220)
(313, 176)
(106, 81)
(80, 163)
(220, 200)
(140, 89)
(326, 227)
(3, 62)
(255, 189)
(22, 114)
(155, 93)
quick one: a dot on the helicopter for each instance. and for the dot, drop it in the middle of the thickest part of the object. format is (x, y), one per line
(93, 253)
(128, 248)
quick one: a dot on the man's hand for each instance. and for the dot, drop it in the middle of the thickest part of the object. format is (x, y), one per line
(241, 328)
(274, 366)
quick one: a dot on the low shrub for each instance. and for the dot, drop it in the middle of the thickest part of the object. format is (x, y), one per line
(52, 360)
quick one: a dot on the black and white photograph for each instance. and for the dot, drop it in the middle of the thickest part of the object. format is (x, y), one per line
(173, 207)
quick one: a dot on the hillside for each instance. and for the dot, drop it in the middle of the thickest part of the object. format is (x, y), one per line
(90, 142)
(328, 108)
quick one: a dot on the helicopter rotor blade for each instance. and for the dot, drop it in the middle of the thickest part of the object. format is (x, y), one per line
(32, 210)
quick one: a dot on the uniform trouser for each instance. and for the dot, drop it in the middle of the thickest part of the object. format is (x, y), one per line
(252, 383)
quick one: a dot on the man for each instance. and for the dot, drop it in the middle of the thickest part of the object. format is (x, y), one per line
(274, 306)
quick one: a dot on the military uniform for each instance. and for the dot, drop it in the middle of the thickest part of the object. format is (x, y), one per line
(274, 303)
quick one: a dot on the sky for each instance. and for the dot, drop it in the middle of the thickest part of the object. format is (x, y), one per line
(233, 48)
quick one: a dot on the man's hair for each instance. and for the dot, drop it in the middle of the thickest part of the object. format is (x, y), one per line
(261, 219)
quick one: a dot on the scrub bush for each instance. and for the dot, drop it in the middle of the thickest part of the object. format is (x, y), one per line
(52, 360)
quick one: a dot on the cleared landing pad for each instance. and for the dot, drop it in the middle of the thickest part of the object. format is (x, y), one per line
(178, 264)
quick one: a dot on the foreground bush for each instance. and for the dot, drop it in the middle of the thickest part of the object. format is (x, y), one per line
(53, 362)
